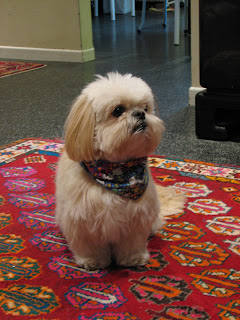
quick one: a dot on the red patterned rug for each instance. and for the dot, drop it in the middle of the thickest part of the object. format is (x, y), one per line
(8, 68)
(194, 271)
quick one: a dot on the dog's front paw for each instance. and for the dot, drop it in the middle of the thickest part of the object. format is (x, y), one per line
(91, 264)
(138, 259)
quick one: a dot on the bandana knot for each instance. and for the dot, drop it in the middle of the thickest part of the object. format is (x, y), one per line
(127, 179)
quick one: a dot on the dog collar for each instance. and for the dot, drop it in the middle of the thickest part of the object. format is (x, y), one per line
(127, 179)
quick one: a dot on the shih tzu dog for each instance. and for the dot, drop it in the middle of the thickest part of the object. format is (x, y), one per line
(107, 203)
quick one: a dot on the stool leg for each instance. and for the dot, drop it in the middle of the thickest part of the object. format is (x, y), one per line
(176, 22)
(96, 8)
(186, 16)
(144, 3)
(133, 8)
(165, 12)
(112, 6)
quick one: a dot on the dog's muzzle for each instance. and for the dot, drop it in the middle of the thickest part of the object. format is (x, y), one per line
(140, 127)
(141, 121)
(140, 115)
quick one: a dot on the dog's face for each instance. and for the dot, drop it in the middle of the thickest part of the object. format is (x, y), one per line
(113, 119)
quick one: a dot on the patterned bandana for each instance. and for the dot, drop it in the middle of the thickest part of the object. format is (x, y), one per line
(127, 179)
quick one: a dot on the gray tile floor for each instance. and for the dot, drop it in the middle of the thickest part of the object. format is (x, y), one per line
(36, 103)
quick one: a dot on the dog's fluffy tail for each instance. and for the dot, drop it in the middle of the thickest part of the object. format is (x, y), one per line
(172, 201)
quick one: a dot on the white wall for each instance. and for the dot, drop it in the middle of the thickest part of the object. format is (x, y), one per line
(195, 69)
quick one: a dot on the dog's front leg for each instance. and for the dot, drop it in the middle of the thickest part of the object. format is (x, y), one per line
(132, 251)
(90, 256)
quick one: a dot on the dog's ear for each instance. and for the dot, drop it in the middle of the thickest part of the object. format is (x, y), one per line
(79, 131)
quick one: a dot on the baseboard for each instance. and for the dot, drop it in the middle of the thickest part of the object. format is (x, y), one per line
(192, 94)
(42, 54)
(88, 55)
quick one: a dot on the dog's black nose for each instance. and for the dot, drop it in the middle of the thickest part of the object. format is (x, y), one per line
(140, 115)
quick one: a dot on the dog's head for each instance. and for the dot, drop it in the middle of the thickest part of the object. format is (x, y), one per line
(113, 119)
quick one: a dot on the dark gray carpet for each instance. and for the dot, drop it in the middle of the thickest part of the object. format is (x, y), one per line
(180, 142)
(36, 103)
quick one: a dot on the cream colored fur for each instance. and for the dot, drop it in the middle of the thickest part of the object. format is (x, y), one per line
(98, 224)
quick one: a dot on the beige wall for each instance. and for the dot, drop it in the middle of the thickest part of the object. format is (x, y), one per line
(49, 24)
(45, 24)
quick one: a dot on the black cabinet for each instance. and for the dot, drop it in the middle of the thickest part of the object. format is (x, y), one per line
(218, 107)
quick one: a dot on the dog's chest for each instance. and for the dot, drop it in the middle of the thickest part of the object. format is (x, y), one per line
(121, 222)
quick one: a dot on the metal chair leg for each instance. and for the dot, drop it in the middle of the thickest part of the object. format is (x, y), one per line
(112, 7)
(144, 3)
(165, 12)
(96, 8)
(133, 8)
(176, 22)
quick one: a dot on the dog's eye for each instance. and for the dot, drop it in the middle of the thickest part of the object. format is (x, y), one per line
(146, 109)
(118, 111)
